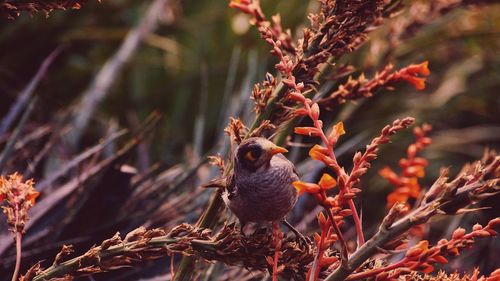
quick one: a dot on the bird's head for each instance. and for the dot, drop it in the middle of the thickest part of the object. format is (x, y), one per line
(256, 153)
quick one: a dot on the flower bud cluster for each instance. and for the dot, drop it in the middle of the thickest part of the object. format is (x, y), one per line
(422, 257)
(20, 197)
(412, 168)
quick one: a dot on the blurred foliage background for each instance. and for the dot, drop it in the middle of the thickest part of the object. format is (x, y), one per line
(196, 69)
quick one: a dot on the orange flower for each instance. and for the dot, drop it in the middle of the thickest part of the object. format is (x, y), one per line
(337, 131)
(303, 187)
(388, 174)
(414, 171)
(424, 245)
(396, 197)
(317, 152)
(417, 82)
(320, 153)
(327, 182)
(32, 197)
(421, 68)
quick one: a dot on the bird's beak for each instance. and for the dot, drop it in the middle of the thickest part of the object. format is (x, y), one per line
(277, 149)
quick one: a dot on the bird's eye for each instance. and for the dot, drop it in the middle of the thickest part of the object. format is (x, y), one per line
(253, 154)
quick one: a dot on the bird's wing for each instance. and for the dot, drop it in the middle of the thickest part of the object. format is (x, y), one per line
(231, 185)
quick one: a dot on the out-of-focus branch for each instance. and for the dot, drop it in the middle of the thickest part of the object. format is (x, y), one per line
(107, 75)
(13, 8)
(27, 92)
(9, 148)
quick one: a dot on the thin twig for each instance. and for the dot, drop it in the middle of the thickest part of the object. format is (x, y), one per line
(9, 147)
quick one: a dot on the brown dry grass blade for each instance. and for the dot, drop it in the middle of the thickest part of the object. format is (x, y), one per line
(27, 92)
(47, 203)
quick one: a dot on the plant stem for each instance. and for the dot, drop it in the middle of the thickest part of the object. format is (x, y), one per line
(317, 259)
(357, 222)
(208, 220)
(72, 265)
(370, 273)
(19, 237)
(18, 256)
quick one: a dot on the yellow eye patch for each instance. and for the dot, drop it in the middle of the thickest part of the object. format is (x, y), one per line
(250, 156)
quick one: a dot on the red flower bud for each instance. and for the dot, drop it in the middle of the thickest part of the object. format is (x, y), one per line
(315, 111)
(307, 131)
(458, 233)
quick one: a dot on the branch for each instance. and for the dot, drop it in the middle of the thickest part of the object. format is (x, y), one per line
(227, 246)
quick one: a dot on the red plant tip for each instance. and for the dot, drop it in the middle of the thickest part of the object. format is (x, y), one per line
(458, 233)
(303, 187)
(322, 221)
(307, 131)
(296, 96)
(494, 222)
(239, 6)
(327, 261)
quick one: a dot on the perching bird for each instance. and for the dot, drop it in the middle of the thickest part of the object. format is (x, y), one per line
(260, 187)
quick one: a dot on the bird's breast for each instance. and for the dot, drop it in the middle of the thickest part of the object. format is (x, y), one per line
(265, 195)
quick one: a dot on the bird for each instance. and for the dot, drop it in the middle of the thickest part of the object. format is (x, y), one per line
(260, 187)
